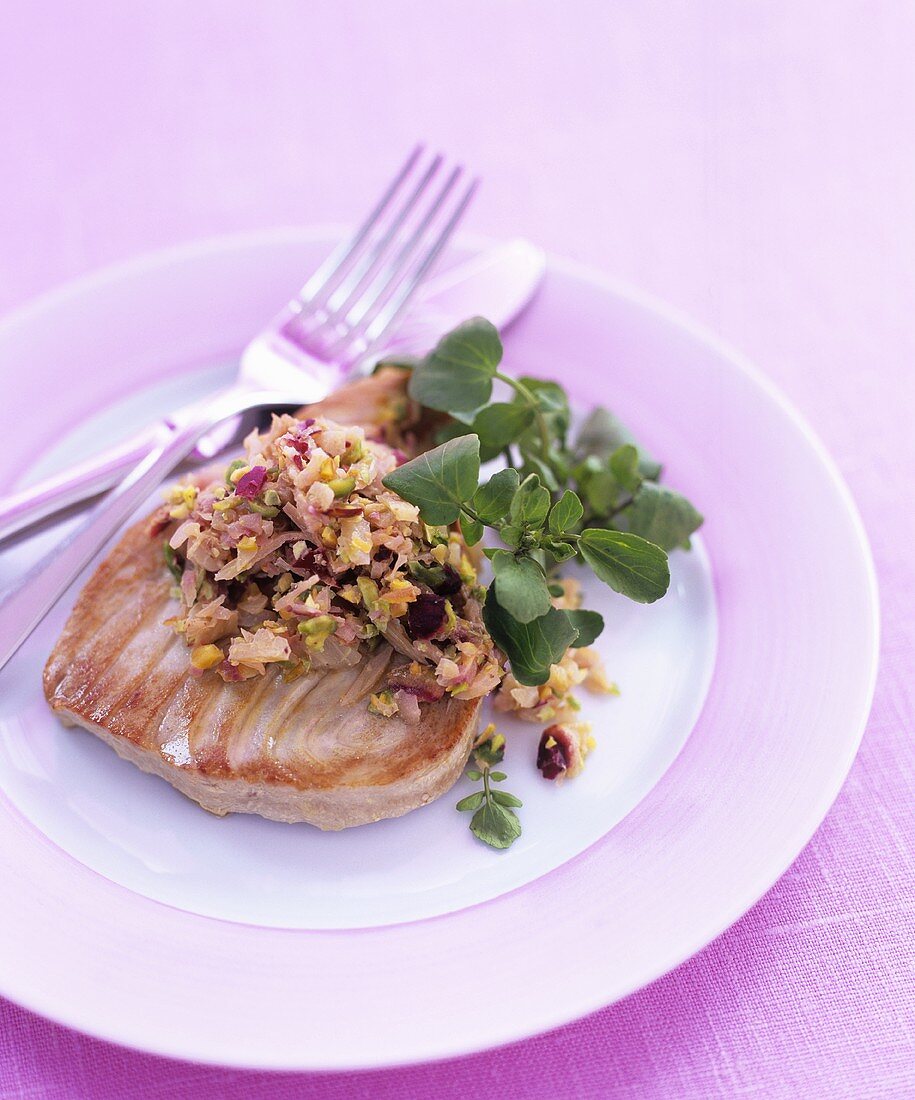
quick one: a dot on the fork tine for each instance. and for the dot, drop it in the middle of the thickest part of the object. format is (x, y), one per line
(360, 314)
(336, 262)
(347, 292)
(370, 331)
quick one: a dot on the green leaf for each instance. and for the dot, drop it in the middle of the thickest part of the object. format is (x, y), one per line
(589, 625)
(603, 482)
(520, 586)
(497, 777)
(505, 799)
(499, 424)
(531, 503)
(510, 534)
(602, 433)
(648, 468)
(629, 564)
(624, 465)
(533, 464)
(565, 513)
(474, 775)
(661, 516)
(495, 825)
(530, 647)
(560, 550)
(456, 376)
(471, 802)
(471, 529)
(439, 481)
(492, 500)
(552, 401)
(598, 487)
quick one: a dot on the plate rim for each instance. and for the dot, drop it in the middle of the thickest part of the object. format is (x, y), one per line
(662, 311)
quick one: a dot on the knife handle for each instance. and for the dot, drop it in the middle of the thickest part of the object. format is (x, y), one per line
(24, 607)
(77, 484)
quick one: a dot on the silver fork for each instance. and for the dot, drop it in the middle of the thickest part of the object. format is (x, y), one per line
(342, 313)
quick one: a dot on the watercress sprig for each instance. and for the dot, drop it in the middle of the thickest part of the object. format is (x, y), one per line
(597, 499)
(494, 821)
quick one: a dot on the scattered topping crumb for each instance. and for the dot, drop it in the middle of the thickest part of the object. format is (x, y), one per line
(555, 700)
(563, 748)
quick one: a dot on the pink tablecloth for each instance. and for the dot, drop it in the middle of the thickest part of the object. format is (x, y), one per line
(752, 163)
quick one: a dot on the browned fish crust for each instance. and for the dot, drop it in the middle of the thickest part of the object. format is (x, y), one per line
(303, 751)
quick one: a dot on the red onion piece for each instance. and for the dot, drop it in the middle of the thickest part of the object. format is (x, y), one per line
(553, 760)
(425, 615)
(250, 484)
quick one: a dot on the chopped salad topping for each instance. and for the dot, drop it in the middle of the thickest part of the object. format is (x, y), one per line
(299, 557)
(322, 548)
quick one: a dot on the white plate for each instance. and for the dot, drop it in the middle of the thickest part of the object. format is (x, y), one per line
(355, 906)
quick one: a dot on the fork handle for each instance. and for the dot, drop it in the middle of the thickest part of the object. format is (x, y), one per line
(23, 609)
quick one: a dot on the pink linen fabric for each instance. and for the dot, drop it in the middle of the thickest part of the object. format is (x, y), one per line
(754, 164)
